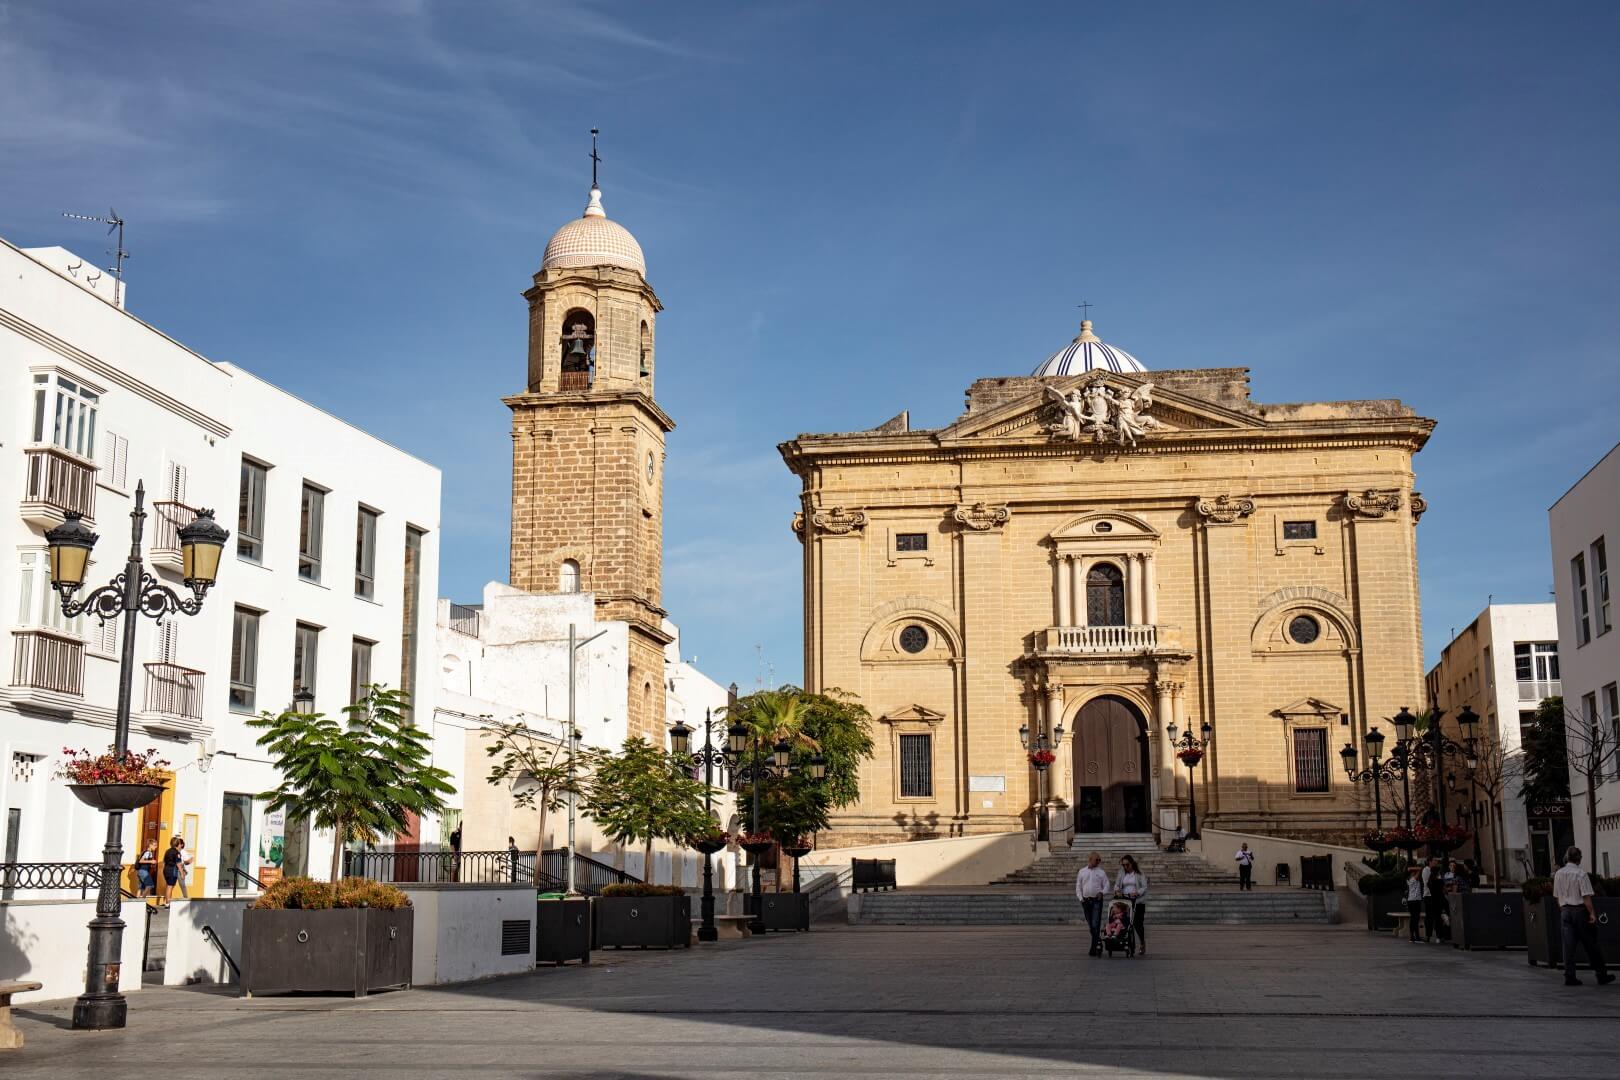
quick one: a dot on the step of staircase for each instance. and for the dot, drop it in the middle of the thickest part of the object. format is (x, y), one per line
(1014, 908)
(1161, 867)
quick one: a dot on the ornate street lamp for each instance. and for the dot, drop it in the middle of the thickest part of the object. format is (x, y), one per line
(1042, 751)
(1190, 749)
(710, 757)
(132, 592)
(1375, 773)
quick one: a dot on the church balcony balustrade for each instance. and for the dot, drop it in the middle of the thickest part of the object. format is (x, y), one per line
(1101, 640)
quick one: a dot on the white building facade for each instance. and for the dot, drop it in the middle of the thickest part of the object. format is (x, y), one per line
(327, 581)
(1582, 523)
(1503, 665)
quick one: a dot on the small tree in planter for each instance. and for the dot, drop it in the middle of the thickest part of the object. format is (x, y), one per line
(353, 936)
(643, 794)
(548, 766)
(362, 779)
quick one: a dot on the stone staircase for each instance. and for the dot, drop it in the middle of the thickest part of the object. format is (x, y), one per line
(1165, 871)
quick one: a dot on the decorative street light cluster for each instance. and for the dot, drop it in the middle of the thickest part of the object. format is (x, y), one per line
(1412, 753)
(132, 592)
(745, 761)
(1190, 750)
(1042, 751)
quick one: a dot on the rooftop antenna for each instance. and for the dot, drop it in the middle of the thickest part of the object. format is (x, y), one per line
(113, 222)
(596, 159)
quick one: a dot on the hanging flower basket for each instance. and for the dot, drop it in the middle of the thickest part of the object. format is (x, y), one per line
(1440, 839)
(756, 843)
(1385, 840)
(1041, 758)
(1190, 756)
(796, 847)
(112, 782)
(709, 843)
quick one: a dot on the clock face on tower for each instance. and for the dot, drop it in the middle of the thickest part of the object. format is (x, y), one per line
(649, 466)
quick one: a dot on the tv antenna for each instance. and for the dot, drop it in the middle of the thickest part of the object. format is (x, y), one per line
(113, 223)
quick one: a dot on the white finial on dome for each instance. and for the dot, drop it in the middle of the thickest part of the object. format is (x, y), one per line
(1085, 332)
(594, 207)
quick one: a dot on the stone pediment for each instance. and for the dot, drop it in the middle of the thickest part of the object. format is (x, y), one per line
(1308, 706)
(1087, 409)
(912, 714)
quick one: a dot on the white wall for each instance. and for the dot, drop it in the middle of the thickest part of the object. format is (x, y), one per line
(457, 932)
(957, 860)
(190, 957)
(48, 941)
(1219, 847)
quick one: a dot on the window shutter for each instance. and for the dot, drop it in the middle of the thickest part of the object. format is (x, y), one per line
(114, 459)
(177, 481)
(106, 634)
(168, 642)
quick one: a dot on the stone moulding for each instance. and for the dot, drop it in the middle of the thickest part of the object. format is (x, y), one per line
(1224, 509)
(981, 517)
(1419, 505)
(1372, 504)
(838, 521)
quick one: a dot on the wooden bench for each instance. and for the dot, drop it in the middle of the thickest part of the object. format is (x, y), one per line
(727, 927)
(10, 1037)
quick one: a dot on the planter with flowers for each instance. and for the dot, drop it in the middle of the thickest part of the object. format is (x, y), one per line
(113, 782)
(1041, 759)
(1190, 756)
(1382, 840)
(313, 936)
(1441, 839)
(710, 842)
(756, 844)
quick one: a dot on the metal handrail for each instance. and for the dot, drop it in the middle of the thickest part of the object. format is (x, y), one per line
(484, 868)
(83, 876)
(237, 875)
(208, 932)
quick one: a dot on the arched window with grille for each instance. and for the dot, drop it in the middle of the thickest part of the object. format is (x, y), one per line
(1105, 595)
(568, 578)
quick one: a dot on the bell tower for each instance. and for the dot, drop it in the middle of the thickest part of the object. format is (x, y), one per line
(588, 443)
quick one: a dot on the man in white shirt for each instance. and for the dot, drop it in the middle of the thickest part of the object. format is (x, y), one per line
(1245, 861)
(1091, 887)
(1572, 888)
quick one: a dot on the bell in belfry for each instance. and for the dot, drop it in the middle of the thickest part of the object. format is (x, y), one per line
(577, 347)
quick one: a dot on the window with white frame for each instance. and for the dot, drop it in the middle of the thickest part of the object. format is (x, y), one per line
(306, 640)
(38, 606)
(311, 519)
(65, 413)
(1611, 713)
(365, 554)
(1583, 602)
(244, 660)
(250, 511)
(1600, 584)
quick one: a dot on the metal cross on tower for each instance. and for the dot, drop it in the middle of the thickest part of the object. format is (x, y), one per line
(1085, 309)
(596, 159)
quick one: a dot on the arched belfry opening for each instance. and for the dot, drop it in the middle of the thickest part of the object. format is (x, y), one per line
(578, 350)
(644, 372)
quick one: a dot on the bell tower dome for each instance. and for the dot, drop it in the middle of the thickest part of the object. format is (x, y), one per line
(588, 442)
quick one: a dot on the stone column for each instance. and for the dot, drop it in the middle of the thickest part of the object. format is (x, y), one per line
(1150, 587)
(1164, 765)
(1133, 591)
(1063, 605)
(1077, 586)
(1058, 789)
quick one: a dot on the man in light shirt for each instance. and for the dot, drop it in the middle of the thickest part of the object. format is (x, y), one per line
(1572, 888)
(1091, 887)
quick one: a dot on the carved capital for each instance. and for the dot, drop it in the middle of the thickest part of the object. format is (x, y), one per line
(1372, 504)
(981, 517)
(1224, 509)
(1419, 504)
(798, 525)
(838, 521)
(1173, 687)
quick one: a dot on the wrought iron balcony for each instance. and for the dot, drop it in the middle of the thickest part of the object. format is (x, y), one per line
(168, 518)
(174, 691)
(1104, 640)
(57, 483)
(47, 660)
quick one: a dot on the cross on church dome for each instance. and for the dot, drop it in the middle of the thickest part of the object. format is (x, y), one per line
(592, 239)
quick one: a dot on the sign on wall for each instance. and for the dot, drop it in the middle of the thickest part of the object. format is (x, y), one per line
(987, 783)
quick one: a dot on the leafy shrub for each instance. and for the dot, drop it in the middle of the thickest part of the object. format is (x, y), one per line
(307, 894)
(1537, 887)
(130, 767)
(1381, 884)
(641, 889)
(1387, 862)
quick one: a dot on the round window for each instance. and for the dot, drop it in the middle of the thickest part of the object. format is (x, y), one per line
(1103, 526)
(914, 639)
(1303, 630)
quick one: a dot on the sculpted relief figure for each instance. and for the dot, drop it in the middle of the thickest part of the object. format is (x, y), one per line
(1131, 421)
(1103, 414)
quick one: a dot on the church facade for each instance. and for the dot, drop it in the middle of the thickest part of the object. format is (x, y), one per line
(1114, 554)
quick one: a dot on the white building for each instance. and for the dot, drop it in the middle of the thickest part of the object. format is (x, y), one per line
(1581, 523)
(1502, 665)
(335, 538)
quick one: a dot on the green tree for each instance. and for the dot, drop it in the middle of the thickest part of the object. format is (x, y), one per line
(643, 794)
(1544, 773)
(541, 773)
(363, 779)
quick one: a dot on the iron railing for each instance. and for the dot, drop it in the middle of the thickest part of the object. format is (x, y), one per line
(60, 480)
(172, 690)
(482, 868)
(464, 619)
(239, 879)
(170, 517)
(212, 937)
(590, 876)
(84, 876)
(48, 660)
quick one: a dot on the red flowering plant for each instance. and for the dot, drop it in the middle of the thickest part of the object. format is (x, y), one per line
(130, 767)
(1387, 839)
(709, 842)
(1441, 837)
(1041, 758)
(752, 841)
(1191, 755)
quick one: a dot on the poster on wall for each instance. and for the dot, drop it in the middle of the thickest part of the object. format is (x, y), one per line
(272, 846)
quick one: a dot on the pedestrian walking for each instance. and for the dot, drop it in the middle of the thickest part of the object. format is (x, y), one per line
(146, 870)
(1434, 902)
(186, 859)
(1414, 901)
(1245, 861)
(1132, 884)
(1572, 888)
(1091, 887)
(512, 855)
(171, 871)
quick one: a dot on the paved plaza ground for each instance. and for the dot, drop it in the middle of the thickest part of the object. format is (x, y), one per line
(1324, 1001)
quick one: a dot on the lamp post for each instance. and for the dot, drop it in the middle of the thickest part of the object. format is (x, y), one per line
(1190, 749)
(1377, 770)
(680, 743)
(1039, 750)
(133, 592)
(1413, 752)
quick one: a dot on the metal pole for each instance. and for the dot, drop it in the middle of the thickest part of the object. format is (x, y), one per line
(1378, 801)
(758, 925)
(101, 1006)
(707, 930)
(1192, 804)
(572, 891)
(1406, 787)
(1439, 761)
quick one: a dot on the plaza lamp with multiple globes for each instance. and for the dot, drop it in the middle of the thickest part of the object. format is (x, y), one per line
(132, 592)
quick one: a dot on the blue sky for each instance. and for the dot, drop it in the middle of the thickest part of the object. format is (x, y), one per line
(850, 209)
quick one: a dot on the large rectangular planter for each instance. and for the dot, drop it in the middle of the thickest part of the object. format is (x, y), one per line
(562, 931)
(1543, 931)
(645, 922)
(782, 911)
(1380, 906)
(1487, 920)
(340, 950)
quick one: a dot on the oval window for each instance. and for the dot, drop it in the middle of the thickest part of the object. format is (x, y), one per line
(1303, 630)
(914, 639)
(1103, 526)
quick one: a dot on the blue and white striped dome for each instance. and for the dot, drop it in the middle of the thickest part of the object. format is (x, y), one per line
(1086, 353)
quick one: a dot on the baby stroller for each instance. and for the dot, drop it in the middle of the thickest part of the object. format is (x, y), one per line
(1118, 935)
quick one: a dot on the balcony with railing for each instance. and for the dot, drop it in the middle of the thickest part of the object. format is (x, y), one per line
(168, 518)
(174, 692)
(1538, 690)
(47, 660)
(1106, 640)
(56, 484)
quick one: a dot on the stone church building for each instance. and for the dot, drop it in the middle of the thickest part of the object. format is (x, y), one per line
(1114, 550)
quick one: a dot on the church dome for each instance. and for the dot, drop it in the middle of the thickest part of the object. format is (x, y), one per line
(593, 240)
(1088, 352)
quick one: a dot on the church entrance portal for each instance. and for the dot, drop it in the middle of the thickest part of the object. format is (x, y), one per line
(1110, 767)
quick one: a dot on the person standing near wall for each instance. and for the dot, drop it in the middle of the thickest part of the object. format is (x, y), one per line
(1245, 861)
(1091, 887)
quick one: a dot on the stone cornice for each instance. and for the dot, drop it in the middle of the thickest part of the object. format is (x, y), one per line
(592, 399)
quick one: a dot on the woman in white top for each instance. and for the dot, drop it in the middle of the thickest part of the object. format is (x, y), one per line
(1132, 884)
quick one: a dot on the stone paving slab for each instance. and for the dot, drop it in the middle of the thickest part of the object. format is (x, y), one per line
(898, 1002)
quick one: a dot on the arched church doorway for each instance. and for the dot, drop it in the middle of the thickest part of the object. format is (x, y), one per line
(1110, 767)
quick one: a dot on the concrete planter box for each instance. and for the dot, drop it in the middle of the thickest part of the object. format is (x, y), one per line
(1380, 906)
(783, 911)
(562, 931)
(1487, 920)
(341, 950)
(1543, 931)
(645, 922)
